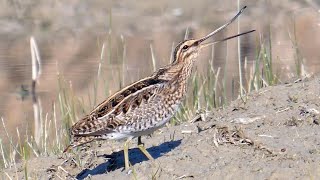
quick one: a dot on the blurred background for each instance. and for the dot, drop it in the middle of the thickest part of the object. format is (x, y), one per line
(71, 36)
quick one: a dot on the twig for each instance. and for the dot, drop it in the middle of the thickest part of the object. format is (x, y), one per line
(153, 58)
(59, 167)
(184, 176)
(3, 156)
(7, 175)
(265, 135)
(282, 110)
(186, 132)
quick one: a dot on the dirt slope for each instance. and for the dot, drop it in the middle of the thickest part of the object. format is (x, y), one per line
(271, 134)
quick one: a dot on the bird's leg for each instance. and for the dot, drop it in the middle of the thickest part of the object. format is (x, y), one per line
(143, 149)
(126, 154)
(140, 142)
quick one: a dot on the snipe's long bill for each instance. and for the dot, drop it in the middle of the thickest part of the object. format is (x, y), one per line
(146, 105)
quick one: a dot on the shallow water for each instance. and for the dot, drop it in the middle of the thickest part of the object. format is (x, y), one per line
(70, 44)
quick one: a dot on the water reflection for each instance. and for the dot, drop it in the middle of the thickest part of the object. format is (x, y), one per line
(23, 92)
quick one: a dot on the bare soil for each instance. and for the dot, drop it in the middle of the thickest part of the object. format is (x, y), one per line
(272, 133)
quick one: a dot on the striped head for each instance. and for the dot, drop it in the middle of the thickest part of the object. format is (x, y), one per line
(187, 51)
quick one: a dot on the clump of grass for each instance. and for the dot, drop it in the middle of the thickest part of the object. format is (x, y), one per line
(261, 74)
(19, 150)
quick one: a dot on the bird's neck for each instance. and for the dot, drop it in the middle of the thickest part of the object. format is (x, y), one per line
(176, 75)
(184, 76)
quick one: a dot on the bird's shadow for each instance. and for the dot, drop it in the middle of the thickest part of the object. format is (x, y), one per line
(115, 160)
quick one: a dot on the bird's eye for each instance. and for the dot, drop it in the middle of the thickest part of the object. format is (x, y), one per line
(185, 47)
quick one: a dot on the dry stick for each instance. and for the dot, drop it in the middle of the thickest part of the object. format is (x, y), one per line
(15, 166)
(239, 54)
(101, 59)
(3, 155)
(55, 125)
(19, 139)
(153, 59)
(45, 134)
(7, 175)
(171, 54)
(186, 35)
(216, 77)
(224, 83)
(124, 65)
(36, 71)
(33, 149)
(96, 84)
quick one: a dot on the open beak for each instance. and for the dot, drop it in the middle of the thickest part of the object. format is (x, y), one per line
(225, 39)
(220, 29)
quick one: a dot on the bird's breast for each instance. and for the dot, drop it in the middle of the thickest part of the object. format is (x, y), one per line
(151, 115)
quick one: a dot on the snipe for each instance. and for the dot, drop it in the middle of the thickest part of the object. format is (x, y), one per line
(146, 105)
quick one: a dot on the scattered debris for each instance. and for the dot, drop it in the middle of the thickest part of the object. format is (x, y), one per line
(246, 120)
(200, 116)
(186, 132)
(185, 176)
(266, 149)
(311, 115)
(293, 98)
(293, 121)
(265, 135)
(283, 110)
(234, 136)
(311, 111)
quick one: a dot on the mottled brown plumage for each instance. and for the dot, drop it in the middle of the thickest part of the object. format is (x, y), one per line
(146, 105)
